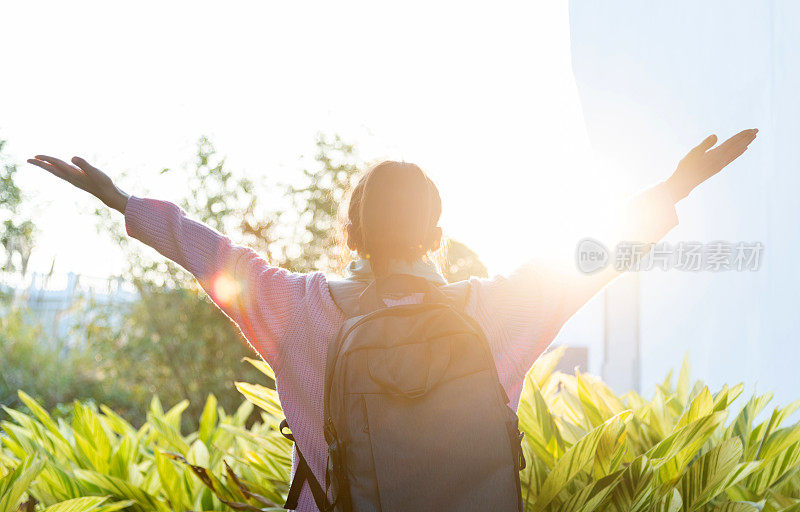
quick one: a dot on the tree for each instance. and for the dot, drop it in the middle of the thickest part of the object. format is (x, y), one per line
(318, 201)
(173, 340)
(16, 232)
(461, 263)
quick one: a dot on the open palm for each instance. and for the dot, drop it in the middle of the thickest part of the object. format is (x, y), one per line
(702, 162)
(85, 177)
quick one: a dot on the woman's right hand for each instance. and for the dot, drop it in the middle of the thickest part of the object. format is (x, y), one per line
(85, 177)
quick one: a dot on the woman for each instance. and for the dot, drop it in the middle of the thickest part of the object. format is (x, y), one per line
(393, 214)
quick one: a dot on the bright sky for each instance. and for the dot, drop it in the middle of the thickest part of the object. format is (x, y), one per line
(484, 99)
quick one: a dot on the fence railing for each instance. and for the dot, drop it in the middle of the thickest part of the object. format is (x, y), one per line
(54, 298)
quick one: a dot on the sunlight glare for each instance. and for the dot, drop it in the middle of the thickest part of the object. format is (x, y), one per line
(225, 289)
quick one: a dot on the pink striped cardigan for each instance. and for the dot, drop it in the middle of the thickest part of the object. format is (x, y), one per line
(290, 318)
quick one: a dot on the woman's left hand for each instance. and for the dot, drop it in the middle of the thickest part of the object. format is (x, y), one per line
(702, 162)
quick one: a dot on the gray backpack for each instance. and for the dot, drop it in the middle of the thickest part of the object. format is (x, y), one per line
(415, 416)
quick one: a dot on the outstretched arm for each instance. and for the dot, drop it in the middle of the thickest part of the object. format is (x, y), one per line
(524, 311)
(260, 298)
(648, 216)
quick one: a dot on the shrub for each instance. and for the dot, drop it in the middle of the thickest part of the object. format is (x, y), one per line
(31, 361)
(587, 449)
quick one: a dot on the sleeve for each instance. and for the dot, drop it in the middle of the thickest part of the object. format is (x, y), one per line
(523, 312)
(260, 298)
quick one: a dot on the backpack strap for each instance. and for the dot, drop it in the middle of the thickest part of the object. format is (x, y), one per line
(458, 293)
(345, 294)
(302, 475)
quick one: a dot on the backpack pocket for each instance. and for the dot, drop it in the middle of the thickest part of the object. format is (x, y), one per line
(446, 450)
(412, 369)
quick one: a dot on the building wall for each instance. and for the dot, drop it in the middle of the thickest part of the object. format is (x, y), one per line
(654, 80)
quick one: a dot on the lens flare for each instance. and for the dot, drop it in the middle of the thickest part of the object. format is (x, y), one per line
(225, 289)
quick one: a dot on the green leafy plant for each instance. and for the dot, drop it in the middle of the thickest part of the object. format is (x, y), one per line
(589, 449)
(47, 463)
(685, 449)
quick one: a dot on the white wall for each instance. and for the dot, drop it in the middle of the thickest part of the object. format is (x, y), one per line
(654, 79)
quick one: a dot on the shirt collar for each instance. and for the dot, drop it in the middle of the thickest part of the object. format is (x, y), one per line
(360, 270)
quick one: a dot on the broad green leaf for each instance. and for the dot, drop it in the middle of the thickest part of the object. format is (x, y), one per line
(121, 489)
(91, 437)
(198, 454)
(227, 495)
(592, 495)
(674, 453)
(545, 365)
(777, 441)
(682, 386)
(636, 490)
(736, 506)
(672, 502)
(773, 469)
(702, 405)
(726, 396)
(263, 397)
(168, 434)
(208, 420)
(173, 416)
(41, 414)
(540, 429)
(595, 409)
(16, 483)
(610, 449)
(85, 504)
(712, 473)
(261, 366)
(575, 459)
(172, 482)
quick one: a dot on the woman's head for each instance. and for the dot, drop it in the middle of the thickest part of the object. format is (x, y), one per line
(393, 214)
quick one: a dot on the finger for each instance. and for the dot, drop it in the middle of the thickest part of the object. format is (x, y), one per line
(87, 168)
(744, 137)
(69, 170)
(722, 159)
(58, 172)
(735, 145)
(704, 146)
(47, 167)
(52, 169)
(751, 135)
(734, 155)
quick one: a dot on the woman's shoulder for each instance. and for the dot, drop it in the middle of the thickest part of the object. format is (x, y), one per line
(320, 290)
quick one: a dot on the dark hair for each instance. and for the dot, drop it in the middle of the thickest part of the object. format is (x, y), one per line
(392, 214)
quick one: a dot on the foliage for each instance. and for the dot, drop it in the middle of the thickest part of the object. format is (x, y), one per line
(30, 361)
(173, 340)
(319, 201)
(588, 449)
(96, 459)
(461, 263)
(592, 450)
(16, 232)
